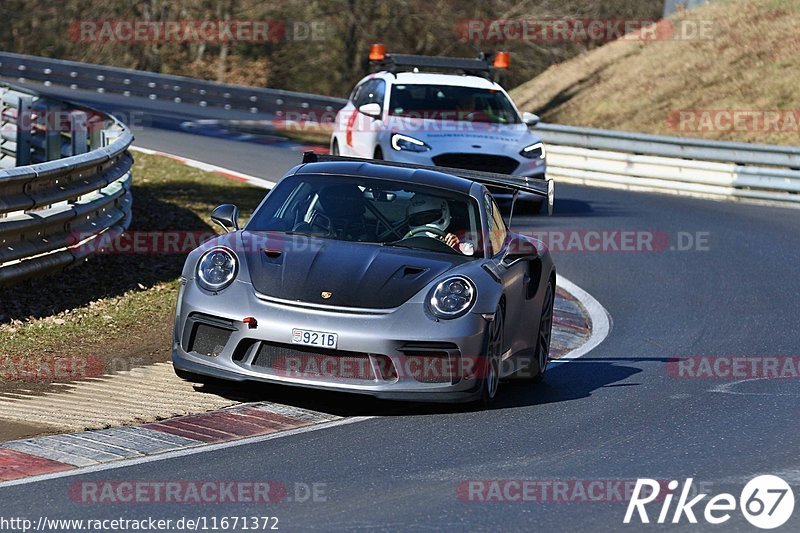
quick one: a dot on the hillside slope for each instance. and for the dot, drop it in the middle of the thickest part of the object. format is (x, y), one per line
(749, 70)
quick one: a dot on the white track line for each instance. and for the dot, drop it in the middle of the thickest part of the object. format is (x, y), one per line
(208, 167)
(727, 388)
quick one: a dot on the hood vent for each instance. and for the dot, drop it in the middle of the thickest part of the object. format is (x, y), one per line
(412, 272)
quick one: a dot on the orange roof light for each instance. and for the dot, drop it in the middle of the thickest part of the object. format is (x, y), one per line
(377, 52)
(502, 60)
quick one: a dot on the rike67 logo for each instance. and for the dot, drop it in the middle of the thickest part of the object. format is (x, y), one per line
(766, 502)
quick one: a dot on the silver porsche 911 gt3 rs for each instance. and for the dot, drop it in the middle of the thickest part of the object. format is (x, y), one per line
(372, 277)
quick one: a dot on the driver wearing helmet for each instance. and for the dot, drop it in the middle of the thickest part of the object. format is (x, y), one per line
(429, 216)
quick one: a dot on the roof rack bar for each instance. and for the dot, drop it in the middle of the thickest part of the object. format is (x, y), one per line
(481, 66)
(457, 63)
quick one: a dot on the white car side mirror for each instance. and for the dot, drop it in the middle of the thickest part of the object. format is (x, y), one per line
(530, 119)
(371, 110)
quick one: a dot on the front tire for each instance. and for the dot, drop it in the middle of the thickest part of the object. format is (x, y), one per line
(378, 154)
(335, 147)
(545, 334)
(490, 380)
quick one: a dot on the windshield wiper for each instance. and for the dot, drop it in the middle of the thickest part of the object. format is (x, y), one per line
(301, 233)
(399, 244)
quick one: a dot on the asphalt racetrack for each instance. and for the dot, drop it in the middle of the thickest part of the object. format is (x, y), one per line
(625, 410)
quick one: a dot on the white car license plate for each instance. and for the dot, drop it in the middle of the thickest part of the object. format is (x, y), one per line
(320, 339)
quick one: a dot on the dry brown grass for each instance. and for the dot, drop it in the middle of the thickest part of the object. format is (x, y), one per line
(117, 308)
(752, 63)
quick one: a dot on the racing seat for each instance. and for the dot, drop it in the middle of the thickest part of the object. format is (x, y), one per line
(342, 213)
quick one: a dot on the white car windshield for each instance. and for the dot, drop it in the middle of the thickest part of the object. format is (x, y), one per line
(372, 211)
(449, 102)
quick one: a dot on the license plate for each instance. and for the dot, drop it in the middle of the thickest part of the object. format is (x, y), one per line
(320, 339)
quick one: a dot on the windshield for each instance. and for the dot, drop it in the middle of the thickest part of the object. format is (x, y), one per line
(446, 102)
(372, 211)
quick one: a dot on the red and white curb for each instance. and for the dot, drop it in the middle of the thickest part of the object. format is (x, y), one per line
(583, 337)
(64, 453)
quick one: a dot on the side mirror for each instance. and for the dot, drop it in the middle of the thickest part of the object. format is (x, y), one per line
(371, 110)
(518, 250)
(530, 119)
(227, 216)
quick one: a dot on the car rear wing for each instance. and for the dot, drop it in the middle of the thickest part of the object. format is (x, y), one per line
(541, 187)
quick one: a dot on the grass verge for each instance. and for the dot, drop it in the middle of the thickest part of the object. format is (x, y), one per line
(116, 310)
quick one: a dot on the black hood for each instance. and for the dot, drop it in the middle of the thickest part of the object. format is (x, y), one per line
(300, 268)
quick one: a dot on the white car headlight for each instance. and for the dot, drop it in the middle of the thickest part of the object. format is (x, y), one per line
(534, 151)
(452, 297)
(216, 269)
(409, 144)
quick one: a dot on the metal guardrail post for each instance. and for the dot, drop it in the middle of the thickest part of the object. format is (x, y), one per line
(78, 133)
(52, 134)
(95, 136)
(24, 120)
(8, 132)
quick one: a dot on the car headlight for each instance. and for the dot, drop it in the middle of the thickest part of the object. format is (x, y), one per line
(534, 151)
(452, 297)
(216, 269)
(409, 144)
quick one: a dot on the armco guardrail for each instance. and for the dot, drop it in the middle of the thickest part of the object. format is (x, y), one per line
(584, 155)
(667, 146)
(54, 207)
(176, 89)
(672, 164)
